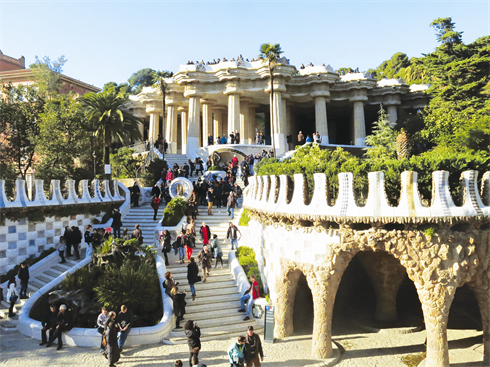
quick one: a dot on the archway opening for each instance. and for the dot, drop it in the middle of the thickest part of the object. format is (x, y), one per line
(465, 311)
(303, 314)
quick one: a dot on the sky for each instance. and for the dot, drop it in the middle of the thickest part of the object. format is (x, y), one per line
(110, 40)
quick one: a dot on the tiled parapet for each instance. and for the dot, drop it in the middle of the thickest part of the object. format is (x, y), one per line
(292, 198)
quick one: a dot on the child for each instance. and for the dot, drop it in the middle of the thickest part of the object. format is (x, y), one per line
(61, 249)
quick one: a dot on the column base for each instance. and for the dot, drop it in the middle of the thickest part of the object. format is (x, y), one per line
(191, 146)
(360, 142)
(280, 142)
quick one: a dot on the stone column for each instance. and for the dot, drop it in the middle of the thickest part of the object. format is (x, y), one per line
(251, 124)
(279, 122)
(194, 122)
(244, 120)
(233, 114)
(154, 129)
(286, 292)
(392, 114)
(436, 298)
(359, 128)
(321, 124)
(141, 128)
(184, 127)
(482, 294)
(171, 133)
(386, 275)
(207, 120)
(217, 121)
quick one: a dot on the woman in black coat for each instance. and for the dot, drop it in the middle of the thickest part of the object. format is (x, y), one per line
(179, 305)
(193, 334)
(193, 276)
(111, 330)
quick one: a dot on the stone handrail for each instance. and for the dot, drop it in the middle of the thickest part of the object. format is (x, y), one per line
(262, 192)
(40, 199)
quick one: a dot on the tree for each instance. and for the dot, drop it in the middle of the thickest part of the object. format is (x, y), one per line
(47, 74)
(124, 88)
(124, 163)
(445, 31)
(110, 120)
(159, 82)
(383, 139)
(389, 68)
(19, 114)
(269, 53)
(142, 78)
(63, 142)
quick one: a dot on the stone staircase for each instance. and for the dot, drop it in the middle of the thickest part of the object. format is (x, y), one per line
(180, 159)
(143, 215)
(215, 308)
(37, 280)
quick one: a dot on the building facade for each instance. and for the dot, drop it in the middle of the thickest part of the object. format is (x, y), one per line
(234, 96)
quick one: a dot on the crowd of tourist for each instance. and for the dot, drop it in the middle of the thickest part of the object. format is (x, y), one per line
(217, 61)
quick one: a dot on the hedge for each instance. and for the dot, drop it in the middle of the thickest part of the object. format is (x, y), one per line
(246, 257)
(174, 212)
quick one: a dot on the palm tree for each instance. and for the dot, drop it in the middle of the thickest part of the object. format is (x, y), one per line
(160, 83)
(269, 53)
(111, 121)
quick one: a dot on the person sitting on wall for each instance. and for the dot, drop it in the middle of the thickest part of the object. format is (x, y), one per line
(223, 140)
(232, 138)
(302, 66)
(48, 323)
(237, 137)
(210, 140)
(62, 322)
(218, 139)
(308, 139)
(301, 138)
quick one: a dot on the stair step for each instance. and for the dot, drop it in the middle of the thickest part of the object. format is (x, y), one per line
(212, 300)
(44, 279)
(218, 330)
(60, 268)
(203, 313)
(52, 273)
(36, 284)
(8, 325)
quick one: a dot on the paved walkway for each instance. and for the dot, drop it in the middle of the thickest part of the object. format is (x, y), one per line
(366, 350)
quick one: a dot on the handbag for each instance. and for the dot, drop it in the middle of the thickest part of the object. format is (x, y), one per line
(104, 339)
(199, 278)
(13, 297)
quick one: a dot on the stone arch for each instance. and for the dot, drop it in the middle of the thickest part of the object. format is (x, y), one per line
(286, 293)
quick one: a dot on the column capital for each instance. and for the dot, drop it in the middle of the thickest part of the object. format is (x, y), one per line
(208, 101)
(219, 107)
(191, 91)
(279, 88)
(151, 109)
(391, 101)
(246, 99)
(359, 95)
(232, 88)
(182, 109)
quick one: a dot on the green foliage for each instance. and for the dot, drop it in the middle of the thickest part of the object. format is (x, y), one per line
(8, 174)
(83, 278)
(216, 168)
(246, 258)
(106, 247)
(48, 74)
(133, 284)
(445, 31)
(244, 218)
(30, 261)
(383, 139)
(429, 231)
(155, 169)
(124, 164)
(174, 212)
(141, 78)
(389, 68)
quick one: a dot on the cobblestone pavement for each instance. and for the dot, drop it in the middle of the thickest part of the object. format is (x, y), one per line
(366, 350)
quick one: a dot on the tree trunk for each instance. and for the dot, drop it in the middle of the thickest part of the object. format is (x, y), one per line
(107, 150)
(271, 99)
(164, 94)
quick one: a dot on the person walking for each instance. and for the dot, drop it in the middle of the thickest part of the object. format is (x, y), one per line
(169, 283)
(68, 241)
(205, 257)
(62, 321)
(232, 234)
(48, 323)
(101, 320)
(218, 252)
(137, 234)
(165, 239)
(88, 236)
(195, 362)
(193, 334)
(155, 204)
(231, 204)
(250, 296)
(116, 223)
(111, 327)
(179, 305)
(135, 194)
(61, 247)
(236, 353)
(23, 276)
(205, 233)
(125, 322)
(76, 240)
(210, 197)
(254, 353)
(179, 246)
(12, 295)
(193, 276)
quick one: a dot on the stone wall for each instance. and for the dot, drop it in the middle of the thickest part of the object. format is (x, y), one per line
(20, 239)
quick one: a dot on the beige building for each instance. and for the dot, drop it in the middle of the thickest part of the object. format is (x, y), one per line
(234, 95)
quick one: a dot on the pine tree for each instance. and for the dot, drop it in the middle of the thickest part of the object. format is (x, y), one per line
(383, 139)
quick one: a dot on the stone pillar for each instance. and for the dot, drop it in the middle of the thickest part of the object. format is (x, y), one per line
(386, 275)
(171, 133)
(321, 124)
(233, 114)
(141, 128)
(251, 123)
(244, 120)
(279, 122)
(392, 114)
(184, 127)
(207, 120)
(194, 122)
(286, 292)
(217, 121)
(436, 298)
(154, 129)
(359, 123)
(482, 294)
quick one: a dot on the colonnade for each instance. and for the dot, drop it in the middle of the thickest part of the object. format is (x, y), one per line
(240, 116)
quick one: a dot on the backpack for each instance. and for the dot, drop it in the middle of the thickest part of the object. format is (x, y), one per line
(13, 296)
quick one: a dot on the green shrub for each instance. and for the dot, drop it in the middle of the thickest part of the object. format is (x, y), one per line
(244, 218)
(84, 278)
(246, 258)
(174, 212)
(216, 168)
(136, 286)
